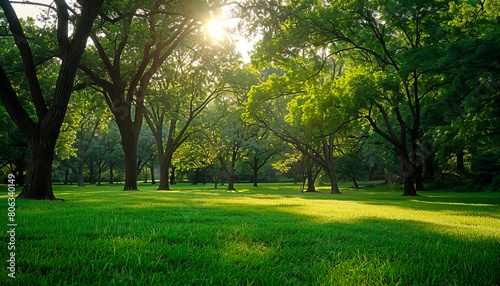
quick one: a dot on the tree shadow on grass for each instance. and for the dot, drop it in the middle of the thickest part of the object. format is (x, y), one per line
(187, 241)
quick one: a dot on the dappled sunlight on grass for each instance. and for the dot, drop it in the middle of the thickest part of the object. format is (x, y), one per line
(260, 236)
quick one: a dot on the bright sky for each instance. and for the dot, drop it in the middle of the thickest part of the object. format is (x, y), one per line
(217, 26)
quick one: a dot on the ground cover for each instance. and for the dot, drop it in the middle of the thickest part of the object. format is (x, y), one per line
(269, 235)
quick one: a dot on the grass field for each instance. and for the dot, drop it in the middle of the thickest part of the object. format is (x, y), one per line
(270, 235)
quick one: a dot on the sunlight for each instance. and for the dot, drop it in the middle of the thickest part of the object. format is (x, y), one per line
(215, 29)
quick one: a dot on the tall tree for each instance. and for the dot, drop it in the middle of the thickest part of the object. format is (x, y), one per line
(41, 133)
(386, 41)
(186, 86)
(132, 41)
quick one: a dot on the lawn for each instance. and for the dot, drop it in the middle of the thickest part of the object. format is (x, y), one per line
(270, 235)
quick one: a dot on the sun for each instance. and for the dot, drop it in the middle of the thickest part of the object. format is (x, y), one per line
(215, 29)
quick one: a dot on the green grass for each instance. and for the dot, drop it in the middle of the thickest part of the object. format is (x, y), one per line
(270, 235)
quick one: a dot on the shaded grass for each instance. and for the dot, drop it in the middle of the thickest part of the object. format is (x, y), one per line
(270, 235)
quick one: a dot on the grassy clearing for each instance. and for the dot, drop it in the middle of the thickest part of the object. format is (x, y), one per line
(271, 235)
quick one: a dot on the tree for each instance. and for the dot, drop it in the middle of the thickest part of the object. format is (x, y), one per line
(189, 82)
(301, 109)
(50, 105)
(133, 32)
(388, 47)
(260, 148)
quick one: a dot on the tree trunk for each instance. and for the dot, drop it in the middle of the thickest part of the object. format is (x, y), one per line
(328, 166)
(80, 179)
(196, 174)
(111, 176)
(354, 180)
(407, 170)
(99, 173)
(409, 189)
(129, 144)
(172, 176)
(255, 169)
(165, 165)
(66, 175)
(310, 175)
(255, 176)
(38, 184)
(333, 181)
(145, 174)
(203, 176)
(153, 182)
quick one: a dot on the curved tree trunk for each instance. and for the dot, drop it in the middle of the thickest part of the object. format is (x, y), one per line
(42, 135)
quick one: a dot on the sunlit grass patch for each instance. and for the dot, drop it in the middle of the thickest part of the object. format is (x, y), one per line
(269, 235)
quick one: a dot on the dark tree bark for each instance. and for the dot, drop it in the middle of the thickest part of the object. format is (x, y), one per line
(42, 135)
(354, 180)
(196, 174)
(172, 176)
(230, 172)
(328, 165)
(407, 165)
(66, 175)
(309, 175)
(153, 182)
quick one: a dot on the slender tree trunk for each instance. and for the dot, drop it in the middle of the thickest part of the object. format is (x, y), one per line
(172, 176)
(145, 174)
(196, 173)
(80, 179)
(310, 175)
(39, 174)
(329, 166)
(255, 169)
(255, 177)
(111, 176)
(153, 182)
(354, 180)
(66, 175)
(99, 173)
(203, 176)
(230, 174)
